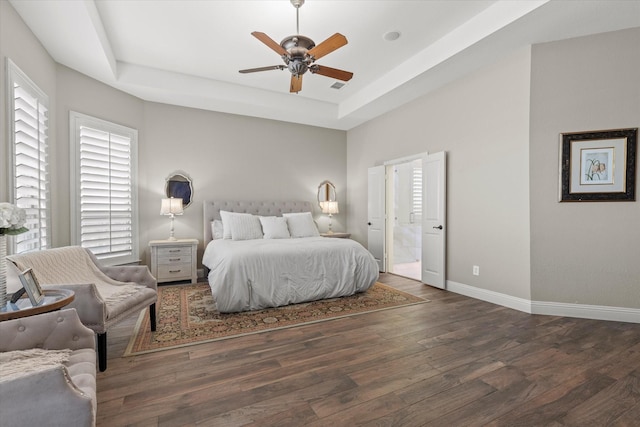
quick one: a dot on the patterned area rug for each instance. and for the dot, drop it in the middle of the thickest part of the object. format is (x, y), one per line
(186, 316)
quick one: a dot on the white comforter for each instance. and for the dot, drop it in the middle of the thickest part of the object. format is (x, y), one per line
(255, 274)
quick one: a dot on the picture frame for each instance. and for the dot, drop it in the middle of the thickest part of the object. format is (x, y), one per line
(598, 165)
(32, 286)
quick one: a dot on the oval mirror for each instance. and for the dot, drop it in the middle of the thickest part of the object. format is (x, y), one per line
(179, 185)
(326, 192)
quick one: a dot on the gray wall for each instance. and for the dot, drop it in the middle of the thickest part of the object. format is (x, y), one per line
(235, 158)
(482, 122)
(500, 128)
(227, 156)
(77, 92)
(18, 43)
(583, 252)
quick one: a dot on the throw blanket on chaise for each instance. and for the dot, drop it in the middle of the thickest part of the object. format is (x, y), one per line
(73, 265)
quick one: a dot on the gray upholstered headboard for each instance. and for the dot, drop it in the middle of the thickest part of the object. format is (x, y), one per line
(271, 208)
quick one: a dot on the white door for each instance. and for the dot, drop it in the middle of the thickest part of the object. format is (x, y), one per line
(433, 220)
(376, 215)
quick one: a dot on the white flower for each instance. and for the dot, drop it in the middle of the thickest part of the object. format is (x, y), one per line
(12, 219)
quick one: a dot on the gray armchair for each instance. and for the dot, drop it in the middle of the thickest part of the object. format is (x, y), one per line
(60, 394)
(103, 295)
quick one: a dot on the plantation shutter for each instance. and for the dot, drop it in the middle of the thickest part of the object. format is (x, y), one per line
(30, 163)
(105, 194)
(416, 194)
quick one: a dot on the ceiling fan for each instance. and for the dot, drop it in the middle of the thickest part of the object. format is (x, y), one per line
(299, 54)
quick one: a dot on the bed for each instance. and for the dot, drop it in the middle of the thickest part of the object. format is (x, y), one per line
(254, 272)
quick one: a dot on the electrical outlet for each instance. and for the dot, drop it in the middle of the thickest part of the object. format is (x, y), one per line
(476, 270)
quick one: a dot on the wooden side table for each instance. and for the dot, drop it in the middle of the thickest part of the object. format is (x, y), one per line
(173, 260)
(337, 235)
(54, 299)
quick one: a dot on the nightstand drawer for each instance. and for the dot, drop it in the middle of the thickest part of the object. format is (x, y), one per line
(174, 259)
(174, 251)
(174, 272)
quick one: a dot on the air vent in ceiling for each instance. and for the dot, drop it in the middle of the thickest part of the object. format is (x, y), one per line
(337, 85)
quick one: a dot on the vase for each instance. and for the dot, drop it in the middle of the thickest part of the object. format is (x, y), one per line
(3, 270)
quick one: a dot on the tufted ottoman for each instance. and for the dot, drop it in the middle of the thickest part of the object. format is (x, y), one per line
(47, 371)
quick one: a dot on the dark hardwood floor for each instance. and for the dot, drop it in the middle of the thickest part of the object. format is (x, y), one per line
(454, 361)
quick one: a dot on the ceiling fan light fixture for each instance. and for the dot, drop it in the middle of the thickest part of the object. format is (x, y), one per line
(297, 44)
(297, 67)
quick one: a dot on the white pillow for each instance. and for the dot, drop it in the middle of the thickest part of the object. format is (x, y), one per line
(301, 224)
(226, 224)
(245, 227)
(217, 232)
(274, 227)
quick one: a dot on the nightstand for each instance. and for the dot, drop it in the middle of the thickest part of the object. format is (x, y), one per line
(173, 260)
(337, 235)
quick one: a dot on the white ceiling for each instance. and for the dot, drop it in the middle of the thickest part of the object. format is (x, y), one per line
(188, 52)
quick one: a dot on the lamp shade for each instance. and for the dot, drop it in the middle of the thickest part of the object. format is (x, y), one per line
(330, 208)
(172, 206)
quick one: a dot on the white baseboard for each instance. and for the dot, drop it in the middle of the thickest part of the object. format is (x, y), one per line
(597, 312)
(504, 300)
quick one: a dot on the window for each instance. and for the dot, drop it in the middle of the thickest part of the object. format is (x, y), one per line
(416, 192)
(30, 179)
(104, 207)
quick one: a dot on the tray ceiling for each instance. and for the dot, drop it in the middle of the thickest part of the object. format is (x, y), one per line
(189, 52)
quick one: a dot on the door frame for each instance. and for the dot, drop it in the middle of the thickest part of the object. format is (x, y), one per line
(389, 225)
(384, 249)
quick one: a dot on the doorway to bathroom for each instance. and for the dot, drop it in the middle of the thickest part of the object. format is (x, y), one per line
(406, 214)
(404, 193)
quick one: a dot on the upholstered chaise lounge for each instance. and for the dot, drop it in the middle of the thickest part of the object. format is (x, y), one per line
(103, 295)
(47, 371)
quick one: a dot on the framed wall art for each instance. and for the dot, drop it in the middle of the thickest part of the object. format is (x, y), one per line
(598, 165)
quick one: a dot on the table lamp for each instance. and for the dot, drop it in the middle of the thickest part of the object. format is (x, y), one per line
(330, 208)
(171, 207)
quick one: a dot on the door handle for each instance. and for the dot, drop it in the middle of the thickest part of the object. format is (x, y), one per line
(438, 227)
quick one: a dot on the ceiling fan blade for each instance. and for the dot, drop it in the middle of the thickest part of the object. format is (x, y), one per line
(331, 72)
(329, 45)
(296, 83)
(255, 70)
(269, 42)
